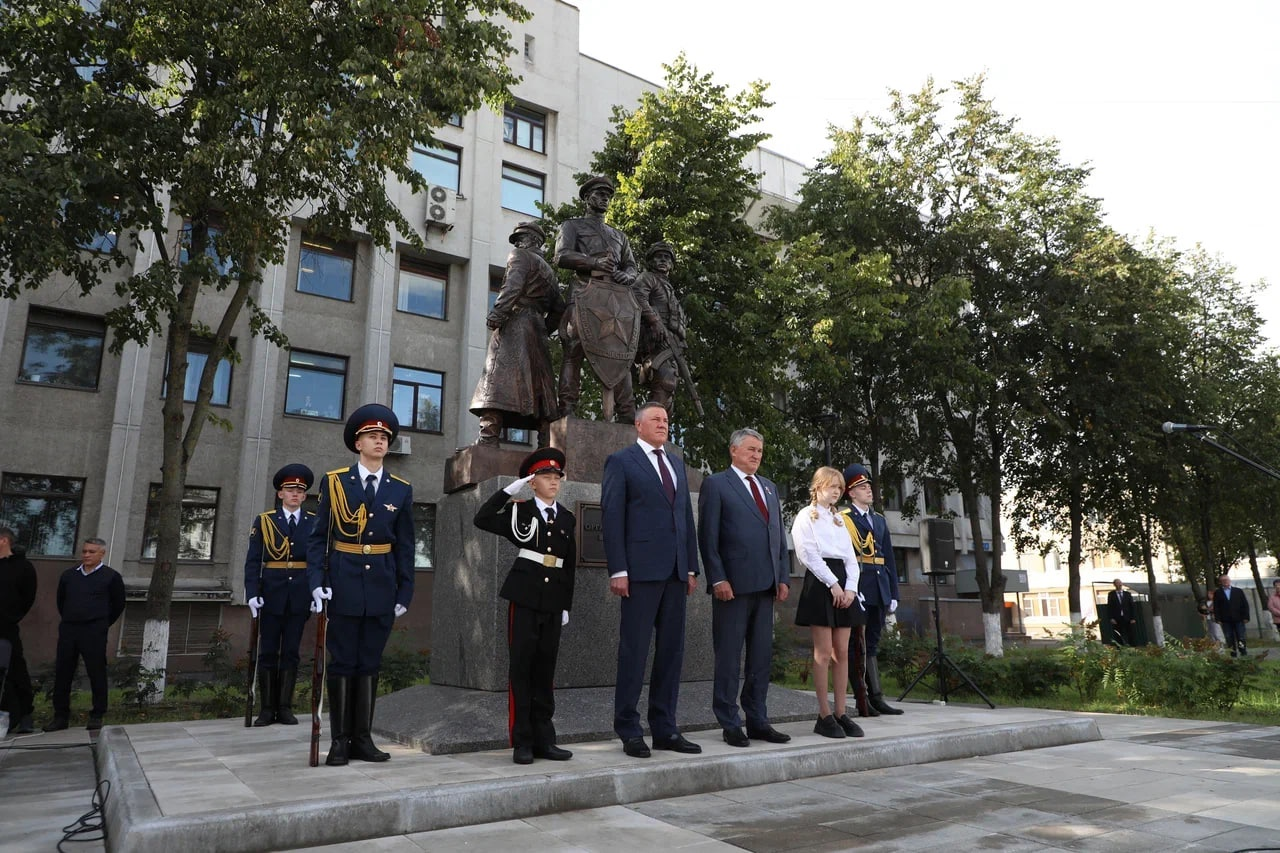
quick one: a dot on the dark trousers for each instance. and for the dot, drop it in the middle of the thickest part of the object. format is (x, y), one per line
(747, 621)
(356, 643)
(279, 638)
(652, 607)
(18, 697)
(533, 643)
(1123, 632)
(76, 640)
(1234, 633)
(876, 616)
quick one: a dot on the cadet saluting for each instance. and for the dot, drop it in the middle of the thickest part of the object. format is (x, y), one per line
(275, 585)
(360, 559)
(540, 589)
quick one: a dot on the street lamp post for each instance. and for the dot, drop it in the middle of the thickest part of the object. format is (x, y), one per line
(827, 423)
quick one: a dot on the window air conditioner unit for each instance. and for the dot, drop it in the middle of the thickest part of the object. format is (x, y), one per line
(442, 206)
(403, 446)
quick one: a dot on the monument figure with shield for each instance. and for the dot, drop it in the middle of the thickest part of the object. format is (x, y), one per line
(602, 320)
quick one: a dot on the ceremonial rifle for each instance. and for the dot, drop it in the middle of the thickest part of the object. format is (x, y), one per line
(253, 645)
(317, 660)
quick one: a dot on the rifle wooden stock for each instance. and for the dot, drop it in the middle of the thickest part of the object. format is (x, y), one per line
(317, 685)
(253, 671)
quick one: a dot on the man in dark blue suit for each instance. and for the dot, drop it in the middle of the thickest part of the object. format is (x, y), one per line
(877, 581)
(652, 551)
(360, 560)
(744, 551)
(275, 587)
(1231, 611)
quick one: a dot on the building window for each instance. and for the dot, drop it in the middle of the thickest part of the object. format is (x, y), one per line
(439, 166)
(522, 191)
(934, 498)
(900, 565)
(43, 512)
(317, 385)
(422, 288)
(528, 48)
(456, 120)
(192, 627)
(199, 515)
(1043, 605)
(416, 397)
(221, 265)
(327, 269)
(62, 349)
(525, 128)
(892, 492)
(424, 532)
(198, 352)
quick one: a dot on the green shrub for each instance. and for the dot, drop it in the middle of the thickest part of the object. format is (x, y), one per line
(1180, 678)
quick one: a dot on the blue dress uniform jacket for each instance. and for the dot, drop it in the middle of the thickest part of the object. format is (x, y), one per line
(547, 589)
(370, 565)
(878, 576)
(275, 567)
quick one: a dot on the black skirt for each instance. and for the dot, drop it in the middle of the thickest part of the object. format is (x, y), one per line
(816, 607)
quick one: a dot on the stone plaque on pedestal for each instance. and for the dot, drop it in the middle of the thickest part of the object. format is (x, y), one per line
(469, 620)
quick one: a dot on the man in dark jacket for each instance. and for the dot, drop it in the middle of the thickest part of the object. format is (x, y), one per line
(540, 589)
(1121, 614)
(17, 594)
(1231, 611)
(90, 600)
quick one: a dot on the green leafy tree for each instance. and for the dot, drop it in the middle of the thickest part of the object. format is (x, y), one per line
(125, 118)
(677, 159)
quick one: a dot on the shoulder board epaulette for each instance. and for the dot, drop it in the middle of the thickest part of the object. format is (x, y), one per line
(337, 471)
(518, 500)
(401, 479)
(846, 510)
(310, 513)
(269, 514)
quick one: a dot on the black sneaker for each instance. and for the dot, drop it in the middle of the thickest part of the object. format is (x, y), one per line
(57, 724)
(828, 727)
(851, 729)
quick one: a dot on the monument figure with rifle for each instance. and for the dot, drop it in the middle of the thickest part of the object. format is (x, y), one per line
(661, 355)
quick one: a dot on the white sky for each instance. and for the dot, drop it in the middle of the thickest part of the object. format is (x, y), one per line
(1176, 105)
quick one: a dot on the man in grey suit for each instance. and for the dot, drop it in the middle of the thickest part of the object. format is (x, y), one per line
(744, 552)
(652, 551)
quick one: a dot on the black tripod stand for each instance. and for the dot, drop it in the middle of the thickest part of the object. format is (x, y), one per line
(940, 660)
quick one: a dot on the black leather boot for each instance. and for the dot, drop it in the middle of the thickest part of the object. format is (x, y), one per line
(288, 678)
(877, 696)
(339, 719)
(362, 746)
(268, 683)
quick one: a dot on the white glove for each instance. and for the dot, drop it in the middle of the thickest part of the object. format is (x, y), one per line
(862, 601)
(401, 610)
(893, 605)
(255, 604)
(514, 488)
(564, 618)
(319, 596)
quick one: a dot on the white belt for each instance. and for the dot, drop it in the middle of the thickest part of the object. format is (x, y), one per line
(544, 559)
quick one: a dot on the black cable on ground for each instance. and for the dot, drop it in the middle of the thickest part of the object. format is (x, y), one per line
(92, 821)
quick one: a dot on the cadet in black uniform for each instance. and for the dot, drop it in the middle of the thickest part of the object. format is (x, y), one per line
(540, 589)
(275, 586)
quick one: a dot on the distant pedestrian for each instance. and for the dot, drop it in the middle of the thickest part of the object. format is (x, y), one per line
(90, 600)
(17, 594)
(1121, 614)
(1231, 611)
(1273, 603)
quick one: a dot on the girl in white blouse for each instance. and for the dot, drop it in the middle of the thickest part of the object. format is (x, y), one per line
(829, 601)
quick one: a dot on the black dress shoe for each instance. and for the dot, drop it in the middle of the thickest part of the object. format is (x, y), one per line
(885, 708)
(95, 724)
(768, 734)
(57, 724)
(24, 727)
(851, 729)
(677, 743)
(828, 727)
(552, 753)
(736, 737)
(636, 747)
(522, 755)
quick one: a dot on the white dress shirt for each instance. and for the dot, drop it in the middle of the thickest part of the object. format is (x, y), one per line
(824, 538)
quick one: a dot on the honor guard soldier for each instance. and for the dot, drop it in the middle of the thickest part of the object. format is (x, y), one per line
(360, 560)
(877, 584)
(540, 589)
(275, 586)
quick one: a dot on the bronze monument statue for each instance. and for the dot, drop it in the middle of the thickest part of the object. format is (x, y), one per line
(602, 321)
(516, 389)
(661, 356)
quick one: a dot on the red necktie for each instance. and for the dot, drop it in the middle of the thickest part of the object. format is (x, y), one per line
(668, 485)
(755, 493)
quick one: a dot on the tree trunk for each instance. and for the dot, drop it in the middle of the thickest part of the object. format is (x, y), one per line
(993, 634)
(1265, 626)
(1153, 596)
(1074, 552)
(1157, 626)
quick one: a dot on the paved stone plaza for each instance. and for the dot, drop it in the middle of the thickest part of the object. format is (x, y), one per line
(1148, 785)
